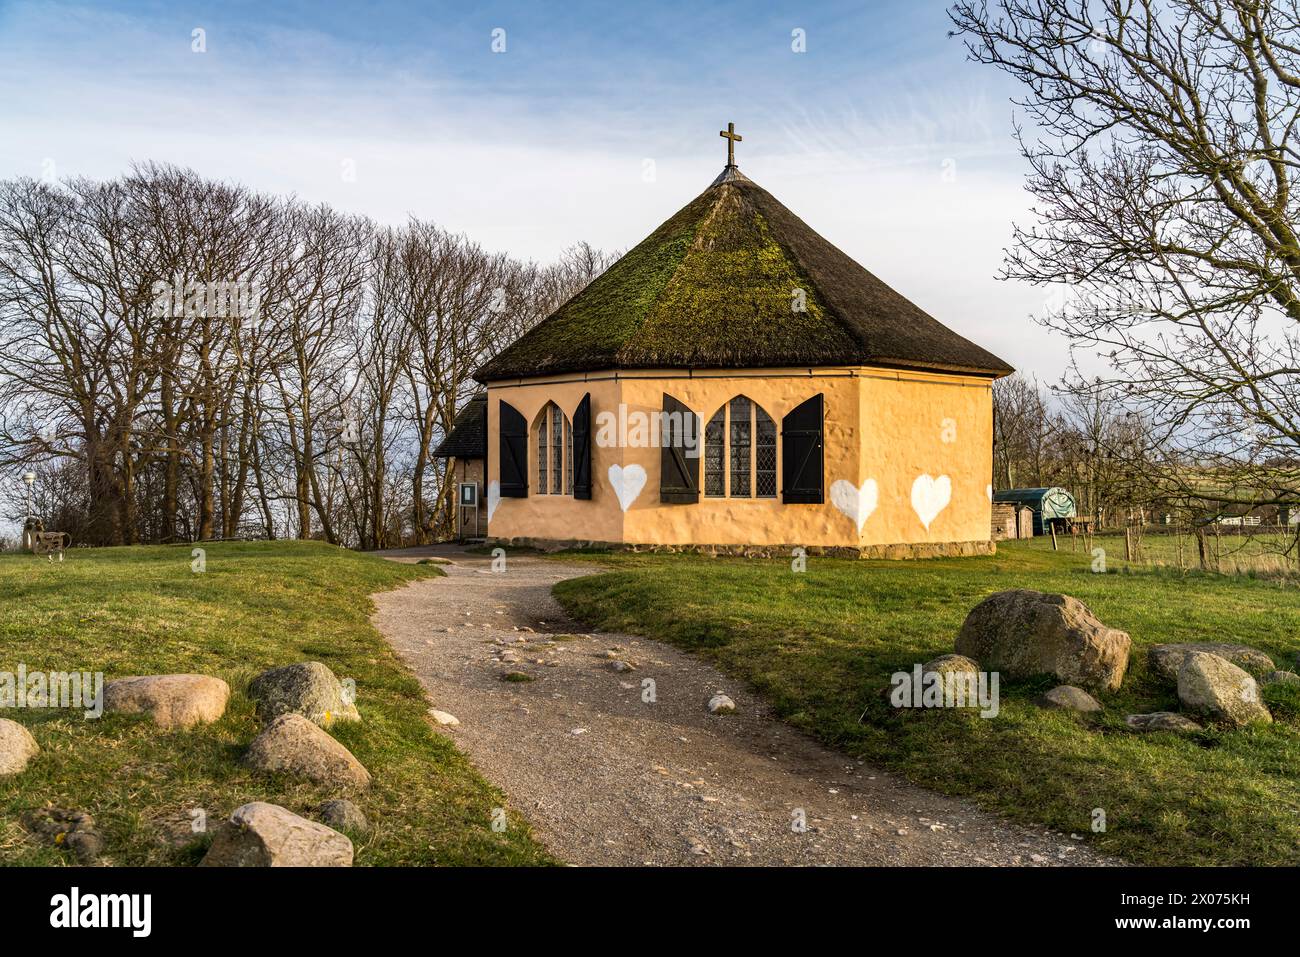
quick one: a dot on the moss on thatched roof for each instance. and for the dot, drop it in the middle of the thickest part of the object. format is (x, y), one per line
(717, 286)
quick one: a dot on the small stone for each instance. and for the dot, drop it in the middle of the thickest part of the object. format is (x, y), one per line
(951, 664)
(443, 717)
(267, 835)
(69, 829)
(342, 815)
(622, 666)
(17, 747)
(1161, 721)
(85, 845)
(721, 704)
(1068, 698)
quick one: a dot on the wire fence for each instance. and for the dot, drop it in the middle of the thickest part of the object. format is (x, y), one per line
(1223, 548)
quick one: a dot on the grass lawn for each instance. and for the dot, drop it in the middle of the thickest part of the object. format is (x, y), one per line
(822, 644)
(129, 611)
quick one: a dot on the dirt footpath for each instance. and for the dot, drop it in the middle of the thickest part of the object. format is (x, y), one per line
(608, 777)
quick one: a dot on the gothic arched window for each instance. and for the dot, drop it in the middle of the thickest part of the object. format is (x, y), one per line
(740, 452)
(554, 436)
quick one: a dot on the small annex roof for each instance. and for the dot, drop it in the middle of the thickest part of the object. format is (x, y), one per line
(468, 436)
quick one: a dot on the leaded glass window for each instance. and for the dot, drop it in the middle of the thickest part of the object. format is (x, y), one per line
(568, 445)
(541, 452)
(764, 454)
(557, 450)
(715, 481)
(741, 431)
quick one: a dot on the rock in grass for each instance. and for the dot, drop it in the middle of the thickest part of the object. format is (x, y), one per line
(1219, 690)
(173, 701)
(1023, 633)
(293, 745)
(721, 704)
(1166, 660)
(951, 664)
(69, 829)
(1068, 698)
(266, 835)
(1161, 721)
(86, 845)
(1281, 678)
(443, 717)
(342, 815)
(308, 688)
(17, 747)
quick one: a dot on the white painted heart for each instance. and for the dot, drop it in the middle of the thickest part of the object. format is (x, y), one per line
(627, 482)
(930, 496)
(856, 502)
(494, 497)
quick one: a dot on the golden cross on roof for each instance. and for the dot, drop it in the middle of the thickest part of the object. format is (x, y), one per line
(732, 138)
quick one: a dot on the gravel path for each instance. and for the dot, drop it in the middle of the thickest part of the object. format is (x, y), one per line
(606, 778)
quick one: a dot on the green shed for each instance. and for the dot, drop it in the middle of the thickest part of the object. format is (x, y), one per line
(1049, 504)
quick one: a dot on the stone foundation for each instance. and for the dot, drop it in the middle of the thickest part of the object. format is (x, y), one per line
(893, 552)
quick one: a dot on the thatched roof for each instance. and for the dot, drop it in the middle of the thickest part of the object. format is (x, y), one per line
(713, 287)
(468, 436)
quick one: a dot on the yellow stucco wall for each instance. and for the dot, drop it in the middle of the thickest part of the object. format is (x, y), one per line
(894, 429)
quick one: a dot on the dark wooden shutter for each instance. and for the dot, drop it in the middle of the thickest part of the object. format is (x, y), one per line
(679, 466)
(582, 449)
(801, 454)
(512, 431)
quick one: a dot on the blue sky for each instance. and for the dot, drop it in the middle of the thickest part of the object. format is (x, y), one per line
(597, 122)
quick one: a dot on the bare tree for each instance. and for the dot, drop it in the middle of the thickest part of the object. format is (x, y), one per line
(1162, 145)
(182, 358)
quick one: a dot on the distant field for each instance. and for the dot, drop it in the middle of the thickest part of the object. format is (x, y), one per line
(128, 611)
(822, 645)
